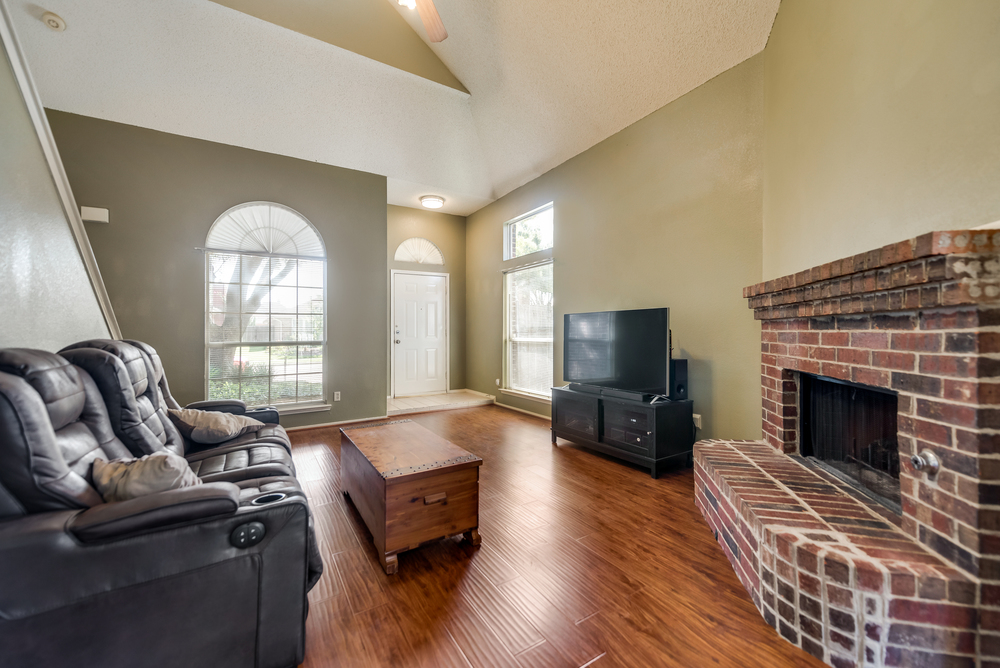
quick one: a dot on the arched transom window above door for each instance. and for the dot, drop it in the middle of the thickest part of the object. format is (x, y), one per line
(420, 250)
(266, 307)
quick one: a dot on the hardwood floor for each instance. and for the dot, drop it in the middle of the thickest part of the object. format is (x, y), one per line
(585, 561)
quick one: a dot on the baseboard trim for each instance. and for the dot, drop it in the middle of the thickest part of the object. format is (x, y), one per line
(521, 410)
(309, 427)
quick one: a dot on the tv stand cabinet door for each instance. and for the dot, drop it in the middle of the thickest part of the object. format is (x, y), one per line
(674, 428)
(576, 413)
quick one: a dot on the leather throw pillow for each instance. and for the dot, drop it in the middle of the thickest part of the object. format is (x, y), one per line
(211, 427)
(123, 479)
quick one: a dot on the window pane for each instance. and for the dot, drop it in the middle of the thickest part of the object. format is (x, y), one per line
(530, 235)
(530, 329)
(253, 361)
(310, 300)
(224, 389)
(254, 391)
(310, 328)
(222, 363)
(310, 359)
(283, 271)
(311, 273)
(531, 366)
(310, 387)
(255, 270)
(222, 268)
(283, 389)
(223, 296)
(255, 328)
(254, 301)
(224, 327)
(283, 300)
(530, 302)
(282, 327)
(283, 360)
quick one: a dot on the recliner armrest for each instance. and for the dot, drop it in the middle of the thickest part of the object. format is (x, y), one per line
(234, 406)
(146, 513)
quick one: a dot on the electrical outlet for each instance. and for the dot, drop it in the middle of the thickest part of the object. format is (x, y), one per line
(498, 382)
(336, 396)
(697, 421)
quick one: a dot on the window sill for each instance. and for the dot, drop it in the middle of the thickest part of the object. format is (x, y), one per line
(541, 398)
(304, 408)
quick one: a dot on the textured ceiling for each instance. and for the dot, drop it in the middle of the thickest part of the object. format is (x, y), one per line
(550, 79)
(547, 81)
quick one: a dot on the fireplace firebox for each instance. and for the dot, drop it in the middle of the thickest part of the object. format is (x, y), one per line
(851, 430)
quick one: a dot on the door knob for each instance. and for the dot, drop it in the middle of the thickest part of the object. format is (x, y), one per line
(397, 340)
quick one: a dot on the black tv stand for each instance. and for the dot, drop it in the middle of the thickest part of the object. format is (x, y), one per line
(652, 435)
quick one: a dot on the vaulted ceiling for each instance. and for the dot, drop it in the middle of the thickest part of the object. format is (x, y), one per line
(545, 80)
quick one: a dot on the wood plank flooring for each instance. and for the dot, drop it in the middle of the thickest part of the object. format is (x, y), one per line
(585, 561)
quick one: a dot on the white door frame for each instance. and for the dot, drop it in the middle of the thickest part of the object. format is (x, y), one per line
(392, 326)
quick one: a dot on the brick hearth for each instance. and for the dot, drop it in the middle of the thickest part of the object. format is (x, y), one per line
(828, 569)
(921, 318)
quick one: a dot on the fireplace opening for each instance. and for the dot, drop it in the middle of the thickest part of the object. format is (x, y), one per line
(851, 430)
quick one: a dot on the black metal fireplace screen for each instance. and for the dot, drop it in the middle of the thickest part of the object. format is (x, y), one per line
(852, 430)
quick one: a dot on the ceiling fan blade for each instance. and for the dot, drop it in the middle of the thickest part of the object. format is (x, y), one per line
(432, 21)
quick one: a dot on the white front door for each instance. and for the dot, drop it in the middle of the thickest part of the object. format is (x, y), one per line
(419, 333)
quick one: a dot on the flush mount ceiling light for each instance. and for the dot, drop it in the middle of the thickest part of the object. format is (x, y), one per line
(54, 21)
(432, 201)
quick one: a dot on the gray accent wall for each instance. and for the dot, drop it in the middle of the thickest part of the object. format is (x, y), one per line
(164, 191)
(47, 299)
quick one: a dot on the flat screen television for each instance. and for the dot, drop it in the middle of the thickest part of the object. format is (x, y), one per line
(621, 350)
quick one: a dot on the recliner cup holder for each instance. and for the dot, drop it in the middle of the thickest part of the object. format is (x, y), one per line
(268, 498)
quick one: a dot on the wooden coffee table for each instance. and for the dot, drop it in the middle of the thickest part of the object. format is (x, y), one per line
(410, 486)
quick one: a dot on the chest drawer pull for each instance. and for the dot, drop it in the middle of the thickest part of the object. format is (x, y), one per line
(435, 498)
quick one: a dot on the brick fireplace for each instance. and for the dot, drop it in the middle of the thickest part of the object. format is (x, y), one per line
(846, 578)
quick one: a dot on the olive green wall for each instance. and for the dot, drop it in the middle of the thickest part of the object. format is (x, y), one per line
(47, 300)
(665, 213)
(165, 191)
(447, 232)
(881, 122)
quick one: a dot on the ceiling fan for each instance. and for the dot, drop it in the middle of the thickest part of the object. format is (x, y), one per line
(429, 15)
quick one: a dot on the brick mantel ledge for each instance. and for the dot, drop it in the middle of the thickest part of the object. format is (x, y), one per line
(934, 269)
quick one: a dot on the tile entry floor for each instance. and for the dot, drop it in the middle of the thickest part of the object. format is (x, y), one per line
(437, 402)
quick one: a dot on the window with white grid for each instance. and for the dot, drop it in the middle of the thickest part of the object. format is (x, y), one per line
(529, 330)
(530, 233)
(266, 324)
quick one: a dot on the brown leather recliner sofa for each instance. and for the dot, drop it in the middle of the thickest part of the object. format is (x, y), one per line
(214, 575)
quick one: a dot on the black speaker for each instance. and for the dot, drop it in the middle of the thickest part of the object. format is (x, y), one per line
(678, 380)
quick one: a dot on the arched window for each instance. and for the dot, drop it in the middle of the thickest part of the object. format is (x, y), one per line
(419, 250)
(266, 303)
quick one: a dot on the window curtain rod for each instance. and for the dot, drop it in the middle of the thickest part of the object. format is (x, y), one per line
(261, 254)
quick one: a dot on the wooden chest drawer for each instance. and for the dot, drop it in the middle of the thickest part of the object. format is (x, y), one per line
(420, 510)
